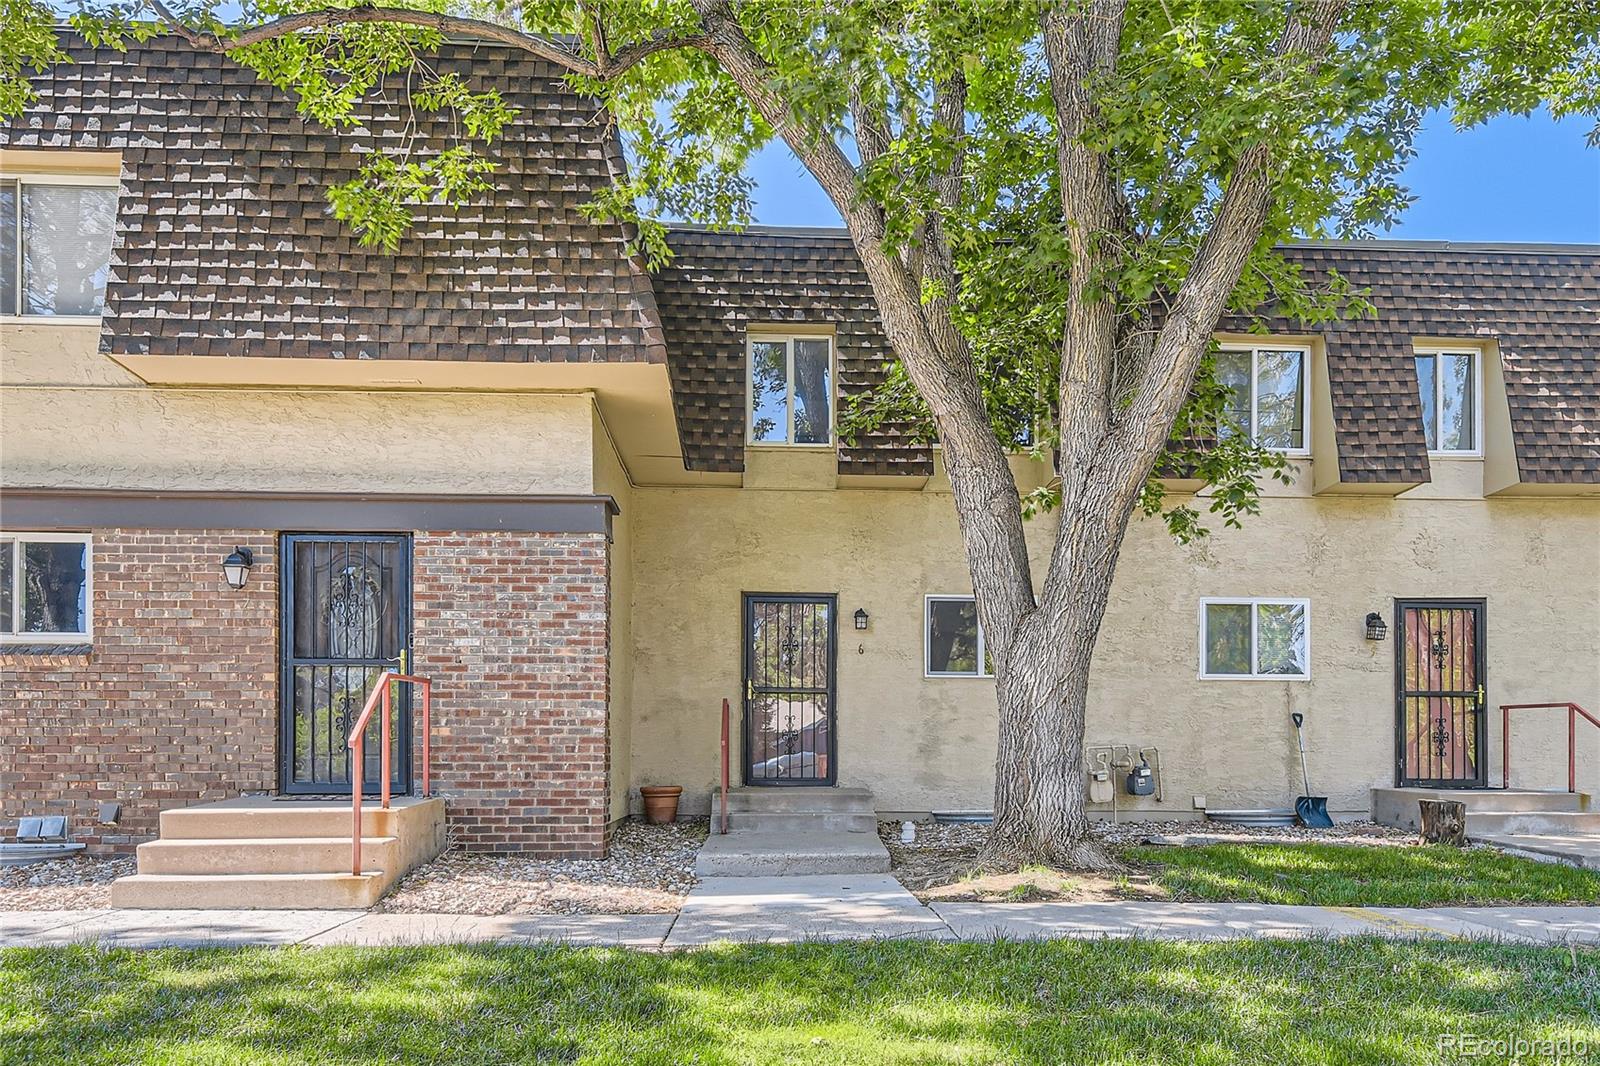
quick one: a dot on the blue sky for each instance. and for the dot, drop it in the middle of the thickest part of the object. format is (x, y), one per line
(1513, 179)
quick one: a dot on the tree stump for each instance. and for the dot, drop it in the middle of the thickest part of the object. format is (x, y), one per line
(1444, 822)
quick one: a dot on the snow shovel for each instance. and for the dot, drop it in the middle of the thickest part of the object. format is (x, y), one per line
(1309, 811)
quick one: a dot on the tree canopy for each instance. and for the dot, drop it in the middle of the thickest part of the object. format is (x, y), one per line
(939, 115)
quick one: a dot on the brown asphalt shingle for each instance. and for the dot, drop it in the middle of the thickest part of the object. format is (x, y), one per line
(716, 284)
(1540, 304)
(226, 245)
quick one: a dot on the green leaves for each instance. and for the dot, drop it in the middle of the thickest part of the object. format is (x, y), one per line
(378, 203)
(1197, 84)
(28, 45)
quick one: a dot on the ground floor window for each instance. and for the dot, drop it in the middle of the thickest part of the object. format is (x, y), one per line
(1263, 638)
(44, 587)
(953, 640)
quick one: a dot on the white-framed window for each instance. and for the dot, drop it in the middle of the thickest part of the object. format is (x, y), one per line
(1449, 382)
(1269, 389)
(790, 398)
(1260, 638)
(45, 588)
(952, 638)
(55, 244)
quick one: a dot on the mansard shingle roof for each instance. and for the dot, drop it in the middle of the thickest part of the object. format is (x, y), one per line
(1541, 304)
(226, 245)
(717, 284)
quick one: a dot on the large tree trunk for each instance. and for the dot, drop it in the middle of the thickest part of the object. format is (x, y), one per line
(1039, 784)
(1042, 679)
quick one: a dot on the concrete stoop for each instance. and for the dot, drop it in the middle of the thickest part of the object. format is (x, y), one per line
(1546, 825)
(775, 832)
(280, 853)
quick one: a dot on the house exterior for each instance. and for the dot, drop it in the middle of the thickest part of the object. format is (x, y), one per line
(592, 502)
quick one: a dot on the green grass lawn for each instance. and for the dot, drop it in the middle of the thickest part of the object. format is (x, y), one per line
(1145, 1002)
(1334, 875)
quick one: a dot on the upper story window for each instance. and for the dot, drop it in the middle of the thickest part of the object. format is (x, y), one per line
(791, 389)
(1449, 384)
(953, 639)
(55, 244)
(1255, 638)
(1269, 393)
(44, 588)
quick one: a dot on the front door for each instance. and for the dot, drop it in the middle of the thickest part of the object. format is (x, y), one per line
(789, 651)
(346, 617)
(1442, 732)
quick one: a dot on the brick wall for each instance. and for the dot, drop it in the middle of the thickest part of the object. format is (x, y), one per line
(177, 700)
(512, 627)
(175, 703)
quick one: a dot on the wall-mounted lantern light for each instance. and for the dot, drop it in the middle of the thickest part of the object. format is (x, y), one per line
(861, 618)
(236, 567)
(1376, 630)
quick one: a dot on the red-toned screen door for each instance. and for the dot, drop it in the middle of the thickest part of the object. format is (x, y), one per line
(1439, 686)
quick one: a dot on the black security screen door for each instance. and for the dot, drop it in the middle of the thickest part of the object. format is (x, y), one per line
(346, 617)
(789, 647)
(1439, 659)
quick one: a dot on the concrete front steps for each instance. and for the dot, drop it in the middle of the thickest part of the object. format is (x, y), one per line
(796, 831)
(264, 852)
(1547, 825)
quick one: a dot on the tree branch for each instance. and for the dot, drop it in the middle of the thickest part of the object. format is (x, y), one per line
(987, 503)
(1081, 47)
(937, 262)
(604, 66)
(1219, 263)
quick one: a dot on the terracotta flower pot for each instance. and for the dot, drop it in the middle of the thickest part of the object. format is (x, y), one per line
(661, 803)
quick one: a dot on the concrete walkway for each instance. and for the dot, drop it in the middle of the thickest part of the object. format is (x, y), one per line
(783, 909)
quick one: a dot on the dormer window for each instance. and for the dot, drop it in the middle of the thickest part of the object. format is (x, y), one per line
(1269, 394)
(55, 245)
(1448, 384)
(791, 389)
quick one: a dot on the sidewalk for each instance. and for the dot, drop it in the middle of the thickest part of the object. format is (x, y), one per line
(788, 909)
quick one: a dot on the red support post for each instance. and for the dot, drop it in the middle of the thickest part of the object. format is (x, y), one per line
(724, 825)
(383, 738)
(427, 735)
(355, 804)
(1572, 747)
(1505, 747)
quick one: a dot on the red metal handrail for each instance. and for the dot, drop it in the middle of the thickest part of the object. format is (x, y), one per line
(380, 695)
(1573, 710)
(724, 824)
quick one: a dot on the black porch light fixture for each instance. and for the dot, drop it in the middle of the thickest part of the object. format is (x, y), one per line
(861, 617)
(1376, 630)
(236, 567)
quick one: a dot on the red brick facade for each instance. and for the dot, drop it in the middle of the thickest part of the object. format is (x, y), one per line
(176, 702)
(513, 628)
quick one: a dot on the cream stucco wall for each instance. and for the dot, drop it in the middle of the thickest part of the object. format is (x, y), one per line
(70, 417)
(928, 744)
(611, 479)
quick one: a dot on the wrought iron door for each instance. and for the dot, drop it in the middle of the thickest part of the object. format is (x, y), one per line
(790, 645)
(1442, 731)
(346, 617)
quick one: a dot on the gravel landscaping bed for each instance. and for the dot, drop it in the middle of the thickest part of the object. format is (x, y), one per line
(78, 883)
(649, 871)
